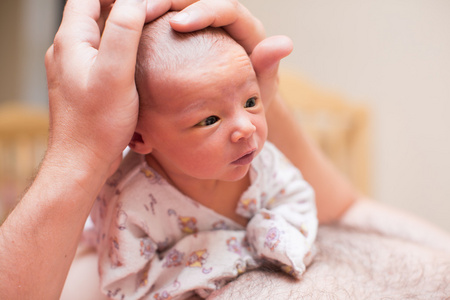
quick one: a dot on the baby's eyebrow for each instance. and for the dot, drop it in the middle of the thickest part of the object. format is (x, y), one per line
(193, 107)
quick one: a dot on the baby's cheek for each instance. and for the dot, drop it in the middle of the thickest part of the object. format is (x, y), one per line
(261, 128)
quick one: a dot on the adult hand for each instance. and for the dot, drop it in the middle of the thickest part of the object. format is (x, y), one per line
(93, 112)
(338, 194)
(93, 98)
(265, 59)
(248, 31)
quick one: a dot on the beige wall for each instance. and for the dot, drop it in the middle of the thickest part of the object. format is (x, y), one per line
(395, 56)
(9, 60)
(27, 28)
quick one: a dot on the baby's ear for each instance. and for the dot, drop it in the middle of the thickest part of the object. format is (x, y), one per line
(138, 145)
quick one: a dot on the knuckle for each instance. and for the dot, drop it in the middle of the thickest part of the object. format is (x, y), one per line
(235, 4)
(58, 42)
(48, 58)
(204, 6)
(128, 17)
(228, 12)
(123, 25)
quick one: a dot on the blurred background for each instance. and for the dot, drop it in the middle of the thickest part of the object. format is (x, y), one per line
(391, 57)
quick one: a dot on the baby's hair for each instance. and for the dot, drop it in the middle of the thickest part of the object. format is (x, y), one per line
(163, 51)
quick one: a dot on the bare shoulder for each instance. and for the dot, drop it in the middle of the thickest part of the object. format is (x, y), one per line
(352, 264)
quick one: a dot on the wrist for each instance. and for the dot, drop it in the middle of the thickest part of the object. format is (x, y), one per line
(80, 172)
(45, 227)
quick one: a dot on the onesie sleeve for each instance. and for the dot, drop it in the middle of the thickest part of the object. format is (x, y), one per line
(283, 230)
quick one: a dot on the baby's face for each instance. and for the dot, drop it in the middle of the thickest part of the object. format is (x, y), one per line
(207, 122)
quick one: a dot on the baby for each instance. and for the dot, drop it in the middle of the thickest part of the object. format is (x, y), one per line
(203, 197)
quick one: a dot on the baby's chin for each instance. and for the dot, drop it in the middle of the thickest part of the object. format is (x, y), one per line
(238, 174)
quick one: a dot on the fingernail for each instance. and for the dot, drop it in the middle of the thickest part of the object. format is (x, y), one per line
(181, 17)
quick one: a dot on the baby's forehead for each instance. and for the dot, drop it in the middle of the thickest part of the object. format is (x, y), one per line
(168, 60)
(214, 82)
(163, 47)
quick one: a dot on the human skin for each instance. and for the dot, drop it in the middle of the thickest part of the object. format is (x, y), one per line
(93, 107)
(354, 264)
(372, 252)
(93, 113)
(174, 130)
(199, 119)
(39, 238)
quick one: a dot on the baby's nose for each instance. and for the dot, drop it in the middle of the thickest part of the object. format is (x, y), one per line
(244, 130)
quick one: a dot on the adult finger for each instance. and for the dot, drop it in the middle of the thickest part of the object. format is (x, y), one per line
(79, 23)
(120, 40)
(75, 42)
(267, 55)
(230, 14)
(156, 8)
(265, 59)
(80, 8)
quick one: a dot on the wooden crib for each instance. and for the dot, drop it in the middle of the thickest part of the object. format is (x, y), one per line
(23, 140)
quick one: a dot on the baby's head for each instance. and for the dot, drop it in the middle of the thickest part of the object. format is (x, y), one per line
(200, 108)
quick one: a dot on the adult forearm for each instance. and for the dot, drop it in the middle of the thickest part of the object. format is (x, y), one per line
(258, 284)
(334, 194)
(375, 217)
(353, 264)
(39, 239)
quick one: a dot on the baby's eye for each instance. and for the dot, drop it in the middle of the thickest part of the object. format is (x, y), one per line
(250, 102)
(209, 121)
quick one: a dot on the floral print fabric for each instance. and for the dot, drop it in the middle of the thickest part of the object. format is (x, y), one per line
(156, 243)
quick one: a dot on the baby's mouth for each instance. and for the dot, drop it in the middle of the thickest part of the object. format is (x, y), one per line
(245, 159)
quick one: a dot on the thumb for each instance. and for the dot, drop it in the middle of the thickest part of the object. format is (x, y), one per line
(265, 59)
(268, 53)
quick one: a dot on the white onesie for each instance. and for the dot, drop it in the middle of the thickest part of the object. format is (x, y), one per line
(156, 243)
